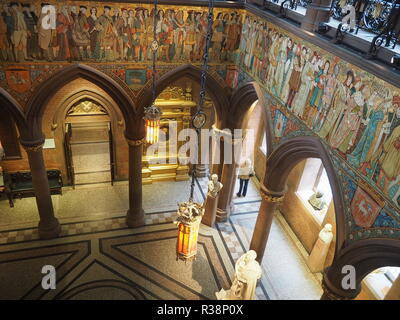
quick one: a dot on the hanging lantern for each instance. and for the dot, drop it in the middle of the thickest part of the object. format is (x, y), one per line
(152, 116)
(188, 222)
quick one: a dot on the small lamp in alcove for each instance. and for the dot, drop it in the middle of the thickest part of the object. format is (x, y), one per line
(188, 222)
(152, 116)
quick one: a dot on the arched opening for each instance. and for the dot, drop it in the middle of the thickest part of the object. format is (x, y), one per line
(166, 167)
(287, 228)
(12, 123)
(381, 284)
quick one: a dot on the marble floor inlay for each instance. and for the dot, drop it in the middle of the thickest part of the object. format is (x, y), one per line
(98, 257)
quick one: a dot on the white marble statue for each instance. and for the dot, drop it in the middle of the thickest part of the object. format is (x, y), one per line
(316, 260)
(326, 234)
(247, 272)
(214, 186)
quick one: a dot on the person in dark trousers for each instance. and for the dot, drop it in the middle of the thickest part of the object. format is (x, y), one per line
(245, 172)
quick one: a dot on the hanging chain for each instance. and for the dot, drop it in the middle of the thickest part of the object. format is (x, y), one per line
(205, 57)
(204, 70)
(154, 47)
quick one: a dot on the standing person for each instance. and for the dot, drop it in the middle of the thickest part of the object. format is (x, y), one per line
(245, 172)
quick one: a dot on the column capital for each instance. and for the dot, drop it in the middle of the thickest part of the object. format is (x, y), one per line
(32, 146)
(272, 196)
(135, 143)
(330, 295)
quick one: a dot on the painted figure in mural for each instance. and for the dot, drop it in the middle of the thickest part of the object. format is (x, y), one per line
(64, 22)
(45, 37)
(360, 153)
(317, 92)
(385, 166)
(326, 96)
(288, 69)
(190, 36)
(136, 31)
(168, 27)
(122, 35)
(201, 35)
(330, 88)
(5, 48)
(295, 77)
(107, 34)
(280, 69)
(80, 33)
(179, 34)
(272, 59)
(19, 35)
(31, 20)
(346, 129)
(305, 84)
(243, 40)
(338, 105)
(217, 36)
(233, 35)
(93, 34)
(150, 34)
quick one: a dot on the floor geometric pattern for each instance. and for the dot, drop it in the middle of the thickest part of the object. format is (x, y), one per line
(103, 259)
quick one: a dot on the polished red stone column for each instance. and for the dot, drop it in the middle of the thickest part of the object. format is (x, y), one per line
(49, 226)
(265, 216)
(135, 214)
(317, 12)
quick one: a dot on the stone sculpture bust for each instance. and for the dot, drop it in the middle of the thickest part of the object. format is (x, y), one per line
(317, 201)
(214, 186)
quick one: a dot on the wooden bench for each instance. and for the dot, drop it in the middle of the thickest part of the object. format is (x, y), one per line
(19, 184)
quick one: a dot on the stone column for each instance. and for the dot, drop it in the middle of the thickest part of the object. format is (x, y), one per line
(49, 226)
(317, 12)
(217, 167)
(135, 214)
(225, 198)
(210, 211)
(394, 291)
(264, 220)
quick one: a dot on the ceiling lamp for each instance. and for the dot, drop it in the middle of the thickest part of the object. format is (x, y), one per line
(190, 212)
(152, 114)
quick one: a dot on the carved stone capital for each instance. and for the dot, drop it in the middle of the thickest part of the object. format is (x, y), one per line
(136, 143)
(329, 295)
(32, 147)
(272, 196)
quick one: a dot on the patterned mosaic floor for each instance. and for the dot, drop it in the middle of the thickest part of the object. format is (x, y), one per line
(100, 258)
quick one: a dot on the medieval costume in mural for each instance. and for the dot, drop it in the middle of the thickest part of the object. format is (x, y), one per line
(354, 114)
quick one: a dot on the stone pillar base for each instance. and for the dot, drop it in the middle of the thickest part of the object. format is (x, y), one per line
(135, 220)
(49, 231)
(223, 215)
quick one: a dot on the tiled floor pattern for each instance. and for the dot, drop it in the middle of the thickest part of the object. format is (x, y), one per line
(232, 236)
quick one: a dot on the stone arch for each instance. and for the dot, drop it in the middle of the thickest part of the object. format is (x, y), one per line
(241, 101)
(38, 102)
(284, 158)
(14, 108)
(218, 93)
(366, 256)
